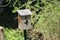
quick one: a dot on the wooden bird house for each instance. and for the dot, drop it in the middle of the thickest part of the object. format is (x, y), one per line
(24, 19)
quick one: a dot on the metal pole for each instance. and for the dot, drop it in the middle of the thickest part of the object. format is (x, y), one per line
(25, 35)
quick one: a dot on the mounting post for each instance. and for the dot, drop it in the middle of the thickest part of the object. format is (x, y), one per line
(25, 35)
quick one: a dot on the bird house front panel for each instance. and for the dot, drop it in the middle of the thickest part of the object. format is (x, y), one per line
(24, 23)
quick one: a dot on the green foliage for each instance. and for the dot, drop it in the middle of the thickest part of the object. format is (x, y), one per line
(49, 20)
(11, 34)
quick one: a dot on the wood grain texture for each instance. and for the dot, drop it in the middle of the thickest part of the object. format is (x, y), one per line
(24, 22)
(19, 19)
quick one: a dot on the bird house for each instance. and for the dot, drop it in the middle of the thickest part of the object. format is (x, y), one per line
(24, 19)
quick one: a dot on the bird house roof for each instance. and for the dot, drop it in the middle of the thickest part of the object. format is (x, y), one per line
(24, 12)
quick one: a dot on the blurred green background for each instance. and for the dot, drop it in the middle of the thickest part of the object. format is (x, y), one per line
(45, 18)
